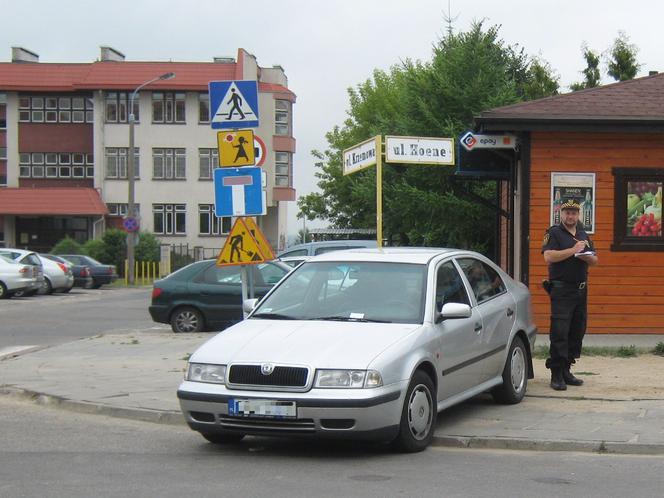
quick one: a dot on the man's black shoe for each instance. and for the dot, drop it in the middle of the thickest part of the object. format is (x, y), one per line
(570, 380)
(557, 381)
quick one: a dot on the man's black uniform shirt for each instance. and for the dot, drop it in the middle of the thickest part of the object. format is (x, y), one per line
(572, 269)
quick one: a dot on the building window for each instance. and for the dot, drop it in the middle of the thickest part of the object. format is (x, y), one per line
(282, 117)
(51, 109)
(282, 169)
(118, 209)
(168, 107)
(55, 165)
(208, 159)
(209, 223)
(116, 163)
(203, 107)
(3, 111)
(3, 153)
(117, 106)
(169, 164)
(169, 219)
(637, 214)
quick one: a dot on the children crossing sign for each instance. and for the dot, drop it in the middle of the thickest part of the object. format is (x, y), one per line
(236, 148)
(242, 248)
(233, 104)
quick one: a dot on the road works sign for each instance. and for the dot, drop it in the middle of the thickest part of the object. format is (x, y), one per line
(236, 148)
(263, 245)
(238, 192)
(471, 141)
(419, 150)
(362, 155)
(242, 247)
(233, 104)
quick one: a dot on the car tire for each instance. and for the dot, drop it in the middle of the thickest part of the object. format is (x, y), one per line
(418, 415)
(47, 287)
(187, 319)
(29, 293)
(223, 437)
(515, 375)
(3, 291)
(66, 290)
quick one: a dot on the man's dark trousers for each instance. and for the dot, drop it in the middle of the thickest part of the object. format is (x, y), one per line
(568, 324)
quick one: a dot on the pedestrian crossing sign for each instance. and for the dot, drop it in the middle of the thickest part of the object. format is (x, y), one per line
(236, 148)
(233, 104)
(241, 248)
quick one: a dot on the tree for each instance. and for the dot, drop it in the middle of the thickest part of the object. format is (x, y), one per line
(422, 205)
(115, 243)
(591, 73)
(148, 247)
(622, 64)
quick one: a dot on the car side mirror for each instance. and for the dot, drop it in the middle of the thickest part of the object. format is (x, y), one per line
(248, 305)
(453, 311)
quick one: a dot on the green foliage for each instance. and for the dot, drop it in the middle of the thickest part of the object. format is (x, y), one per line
(659, 349)
(423, 205)
(96, 249)
(303, 236)
(622, 64)
(67, 246)
(591, 73)
(147, 248)
(115, 242)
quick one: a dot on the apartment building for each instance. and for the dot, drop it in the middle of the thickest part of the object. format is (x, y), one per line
(64, 141)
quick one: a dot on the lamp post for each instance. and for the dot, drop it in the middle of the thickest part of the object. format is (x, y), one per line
(131, 168)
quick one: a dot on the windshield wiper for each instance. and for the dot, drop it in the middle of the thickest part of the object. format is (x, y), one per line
(273, 316)
(337, 318)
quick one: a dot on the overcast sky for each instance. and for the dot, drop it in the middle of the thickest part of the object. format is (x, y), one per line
(325, 46)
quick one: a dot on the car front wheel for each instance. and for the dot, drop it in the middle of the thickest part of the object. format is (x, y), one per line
(3, 291)
(187, 319)
(515, 375)
(418, 416)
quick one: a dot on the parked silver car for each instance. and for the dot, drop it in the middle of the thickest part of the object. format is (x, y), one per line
(27, 258)
(58, 277)
(14, 277)
(365, 343)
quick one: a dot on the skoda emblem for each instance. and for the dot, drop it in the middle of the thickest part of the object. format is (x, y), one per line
(267, 368)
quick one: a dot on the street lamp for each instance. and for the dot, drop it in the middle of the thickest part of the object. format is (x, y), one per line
(130, 174)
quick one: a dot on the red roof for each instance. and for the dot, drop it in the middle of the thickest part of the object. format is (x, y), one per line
(51, 201)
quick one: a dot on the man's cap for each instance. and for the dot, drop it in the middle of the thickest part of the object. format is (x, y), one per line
(571, 205)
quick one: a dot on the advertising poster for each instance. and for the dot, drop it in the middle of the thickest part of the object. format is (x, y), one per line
(579, 187)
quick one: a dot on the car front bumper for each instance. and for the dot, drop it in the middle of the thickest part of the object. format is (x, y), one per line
(327, 413)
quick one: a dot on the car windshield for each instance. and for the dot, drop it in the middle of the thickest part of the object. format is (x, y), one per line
(349, 291)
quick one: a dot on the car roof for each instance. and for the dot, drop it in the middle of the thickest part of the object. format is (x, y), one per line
(22, 252)
(417, 255)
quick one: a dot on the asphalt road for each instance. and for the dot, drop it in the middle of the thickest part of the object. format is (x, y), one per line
(55, 453)
(60, 318)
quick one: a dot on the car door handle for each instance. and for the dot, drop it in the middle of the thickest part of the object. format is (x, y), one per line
(510, 311)
(478, 327)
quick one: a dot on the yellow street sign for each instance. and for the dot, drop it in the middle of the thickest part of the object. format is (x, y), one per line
(240, 248)
(263, 245)
(236, 148)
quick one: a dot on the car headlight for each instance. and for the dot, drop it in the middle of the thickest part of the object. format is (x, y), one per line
(350, 379)
(202, 372)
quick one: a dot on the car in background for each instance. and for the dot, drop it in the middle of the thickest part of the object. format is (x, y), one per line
(27, 258)
(58, 277)
(81, 273)
(323, 246)
(203, 296)
(365, 344)
(14, 277)
(293, 261)
(101, 273)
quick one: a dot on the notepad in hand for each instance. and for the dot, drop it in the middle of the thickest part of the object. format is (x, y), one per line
(584, 253)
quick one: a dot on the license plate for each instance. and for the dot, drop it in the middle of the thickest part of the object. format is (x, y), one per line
(262, 408)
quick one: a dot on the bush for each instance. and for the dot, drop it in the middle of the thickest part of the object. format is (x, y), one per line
(67, 246)
(116, 247)
(659, 349)
(147, 248)
(96, 249)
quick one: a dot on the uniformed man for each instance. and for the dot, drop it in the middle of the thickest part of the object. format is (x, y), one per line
(568, 251)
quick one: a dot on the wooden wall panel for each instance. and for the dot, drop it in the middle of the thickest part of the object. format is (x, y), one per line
(626, 294)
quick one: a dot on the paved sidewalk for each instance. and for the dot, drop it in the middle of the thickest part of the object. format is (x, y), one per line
(619, 410)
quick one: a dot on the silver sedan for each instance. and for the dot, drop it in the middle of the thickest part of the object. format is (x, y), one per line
(365, 344)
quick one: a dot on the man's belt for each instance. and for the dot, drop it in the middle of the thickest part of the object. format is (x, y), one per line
(573, 285)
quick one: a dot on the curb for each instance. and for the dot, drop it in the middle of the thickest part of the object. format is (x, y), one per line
(175, 418)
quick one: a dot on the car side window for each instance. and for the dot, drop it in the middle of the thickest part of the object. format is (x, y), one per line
(483, 279)
(221, 275)
(297, 252)
(270, 274)
(324, 249)
(449, 286)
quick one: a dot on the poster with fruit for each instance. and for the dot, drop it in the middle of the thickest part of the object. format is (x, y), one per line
(644, 209)
(578, 187)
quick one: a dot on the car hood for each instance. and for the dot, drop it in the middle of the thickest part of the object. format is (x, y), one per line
(319, 344)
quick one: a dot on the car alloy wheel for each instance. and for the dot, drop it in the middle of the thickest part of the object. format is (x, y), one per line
(187, 320)
(515, 375)
(3, 291)
(418, 416)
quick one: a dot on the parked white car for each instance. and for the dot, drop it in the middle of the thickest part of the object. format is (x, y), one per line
(58, 277)
(365, 343)
(14, 277)
(27, 258)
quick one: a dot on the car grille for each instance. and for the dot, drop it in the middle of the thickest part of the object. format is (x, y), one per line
(299, 426)
(282, 376)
